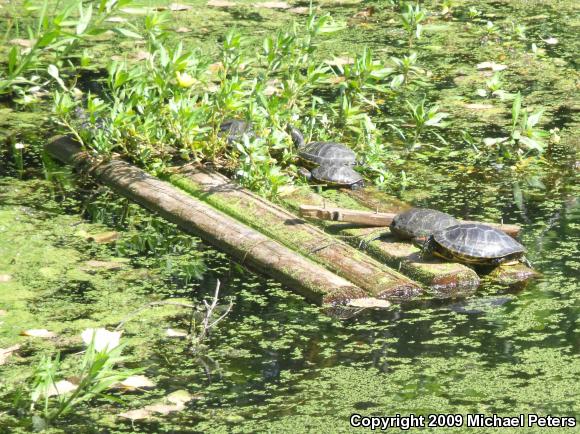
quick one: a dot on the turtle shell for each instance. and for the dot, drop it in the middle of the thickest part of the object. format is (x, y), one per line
(234, 129)
(337, 175)
(327, 153)
(476, 243)
(420, 222)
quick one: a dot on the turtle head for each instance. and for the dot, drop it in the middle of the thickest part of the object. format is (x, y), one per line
(297, 137)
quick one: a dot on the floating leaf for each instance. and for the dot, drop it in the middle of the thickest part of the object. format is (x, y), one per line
(136, 382)
(340, 61)
(5, 278)
(116, 20)
(173, 402)
(479, 106)
(300, 10)
(38, 333)
(481, 92)
(24, 43)
(61, 387)
(491, 65)
(551, 41)
(103, 339)
(369, 302)
(220, 3)
(5, 353)
(105, 237)
(174, 333)
(182, 30)
(491, 141)
(272, 5)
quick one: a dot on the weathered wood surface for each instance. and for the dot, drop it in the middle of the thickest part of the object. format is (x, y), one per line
(244, 244)
(278, 223)
(379, 219)
(444, 278)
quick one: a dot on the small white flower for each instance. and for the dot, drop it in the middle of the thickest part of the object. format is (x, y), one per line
(104, 340)
(19, 146)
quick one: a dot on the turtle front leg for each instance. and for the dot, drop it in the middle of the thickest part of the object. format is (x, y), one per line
(302, 171)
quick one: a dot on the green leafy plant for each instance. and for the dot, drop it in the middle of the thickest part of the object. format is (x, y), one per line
(524, 133)
(411, 18)
(424, 117)
(51, 398)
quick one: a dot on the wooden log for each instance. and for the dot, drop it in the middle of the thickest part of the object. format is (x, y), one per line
(278, 223)
(445, 279)
(244, 244)
(373, 218)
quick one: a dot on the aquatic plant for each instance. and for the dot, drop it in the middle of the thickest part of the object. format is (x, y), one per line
(424, 117)
(50, 39)
(524, 134)
(411, 18)
(97, 372)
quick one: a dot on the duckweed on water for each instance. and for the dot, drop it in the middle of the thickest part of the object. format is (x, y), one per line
(277, 364)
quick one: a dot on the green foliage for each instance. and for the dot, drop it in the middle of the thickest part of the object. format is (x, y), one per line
(51, 41)
(411, 18)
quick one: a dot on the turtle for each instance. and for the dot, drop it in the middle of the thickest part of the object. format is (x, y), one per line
(418, 223)
(330, 162)
(474, 243)
(322, 153)
(234, 130)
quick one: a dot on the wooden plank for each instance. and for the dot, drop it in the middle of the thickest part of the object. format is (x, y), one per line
(374, 218)
(280, 224)
(244, 244)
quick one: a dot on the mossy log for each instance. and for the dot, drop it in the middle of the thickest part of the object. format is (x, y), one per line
(244, 244)
(445, 279)
(278, 223)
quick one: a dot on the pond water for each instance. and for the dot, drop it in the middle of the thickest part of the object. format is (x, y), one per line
(277, 363)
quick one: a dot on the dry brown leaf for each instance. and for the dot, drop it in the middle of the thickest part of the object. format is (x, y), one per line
(24, 43)
(5, 278)
(220, 3)
(365, 13)
(301, 10)
(38, 333)
(215, 67)
(142, 55)
(175, 7)
(182, 30)
(171, 403)
(105, 237)
(136, 382)
(116, 20)
(5, 353)
(476, 106)
(61, 387)
(340, 61)
(173, 333)
(369, 302)
(337, 79)
(491, 65)
(107, 265)
(272, 5)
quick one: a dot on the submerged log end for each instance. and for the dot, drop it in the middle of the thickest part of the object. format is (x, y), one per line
(455, 283)
(513, 274)
(400, 291)
(342, 295)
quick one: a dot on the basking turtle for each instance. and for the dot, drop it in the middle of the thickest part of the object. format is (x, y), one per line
(332, 161)
(419, 223)
(474, 243)
(234, 130)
